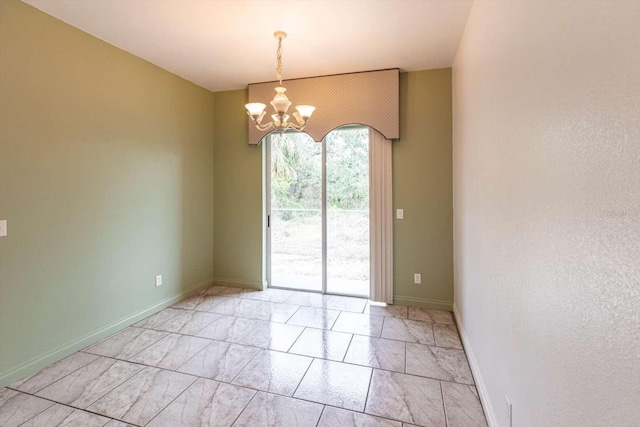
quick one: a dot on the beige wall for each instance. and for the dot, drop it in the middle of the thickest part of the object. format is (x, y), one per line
(106, 179)
(422, 184)
(547, 209)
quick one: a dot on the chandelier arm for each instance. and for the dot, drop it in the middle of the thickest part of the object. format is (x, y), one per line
(261, 127)
(297, 127)
(268, 126)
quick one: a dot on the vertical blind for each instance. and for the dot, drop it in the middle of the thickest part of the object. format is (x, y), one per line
(381, 218)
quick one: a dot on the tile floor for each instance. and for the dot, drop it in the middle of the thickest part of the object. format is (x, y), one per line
(233, 357)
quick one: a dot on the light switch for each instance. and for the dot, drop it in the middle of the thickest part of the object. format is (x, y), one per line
(399, 213)
(3, 227)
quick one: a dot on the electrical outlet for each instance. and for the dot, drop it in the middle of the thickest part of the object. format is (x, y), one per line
(509, 410)
(417, 278)
(399, 213)
(3, 228)
(159, 280)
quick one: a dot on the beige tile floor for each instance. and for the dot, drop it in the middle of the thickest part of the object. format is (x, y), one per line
(231, 357)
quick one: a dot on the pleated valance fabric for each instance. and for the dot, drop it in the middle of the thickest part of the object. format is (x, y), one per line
(369, 98)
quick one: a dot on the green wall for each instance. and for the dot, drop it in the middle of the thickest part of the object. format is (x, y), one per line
(106, 179)
(422, 185)
(238, 195)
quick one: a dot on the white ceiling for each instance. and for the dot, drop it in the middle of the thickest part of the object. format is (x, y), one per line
(226, 44)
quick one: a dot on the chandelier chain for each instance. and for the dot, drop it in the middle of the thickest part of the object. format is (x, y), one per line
(279, 58)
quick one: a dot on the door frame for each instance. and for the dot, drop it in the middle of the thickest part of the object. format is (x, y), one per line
(323, 291)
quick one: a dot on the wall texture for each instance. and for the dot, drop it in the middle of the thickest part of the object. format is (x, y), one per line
(422, 185)
(106, 179)
(547, 209)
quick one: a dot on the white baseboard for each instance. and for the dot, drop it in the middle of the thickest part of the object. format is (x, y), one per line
(32, 366)
(433, 304)
(235, 283)
(475, 369)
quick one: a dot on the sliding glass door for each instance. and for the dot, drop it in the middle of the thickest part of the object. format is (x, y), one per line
(318, 212)
(295, 226)
(347, 211)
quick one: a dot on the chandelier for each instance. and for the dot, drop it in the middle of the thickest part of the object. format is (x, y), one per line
(280, 103)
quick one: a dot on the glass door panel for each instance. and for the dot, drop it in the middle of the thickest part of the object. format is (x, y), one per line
(347, 210)
(296, 234)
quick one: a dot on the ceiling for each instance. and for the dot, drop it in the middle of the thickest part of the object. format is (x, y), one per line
(227, 44)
